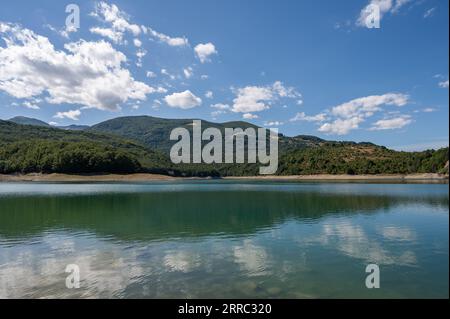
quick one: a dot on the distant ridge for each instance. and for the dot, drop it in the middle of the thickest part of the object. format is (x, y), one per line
(74, 127)
(28, 121)
(23, 120)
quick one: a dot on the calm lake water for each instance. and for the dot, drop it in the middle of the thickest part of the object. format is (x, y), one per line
(208, 239)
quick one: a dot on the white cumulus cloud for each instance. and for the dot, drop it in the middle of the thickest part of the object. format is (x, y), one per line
(209, 94)
(137, 43)
(249, 116)
(183, 100)
(188, 72)
(258, 98)
(115, 36)
(204, 51)
(283, 91)
(348, 116)
(341, 126)
(72, 115)
(366, 106)
(30, 105)
(309, 118)
(252, 99)
(118, 21)
(392, 123)
(85, 73)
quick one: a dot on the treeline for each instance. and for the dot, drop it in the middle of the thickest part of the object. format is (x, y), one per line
(87, 157)
(333, 158)
(33, 149)
(64, 157)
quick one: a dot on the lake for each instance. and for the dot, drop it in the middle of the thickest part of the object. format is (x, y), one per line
(224, 239)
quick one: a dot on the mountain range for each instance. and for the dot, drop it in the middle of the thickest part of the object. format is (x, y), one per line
(31, 121)
(142, 144)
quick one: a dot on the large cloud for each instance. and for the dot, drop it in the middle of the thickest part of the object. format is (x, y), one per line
(348, 116)
(86, 73)
(252, 99)
(258, 98)
(183, 100)
(341, 126)
(366, 106)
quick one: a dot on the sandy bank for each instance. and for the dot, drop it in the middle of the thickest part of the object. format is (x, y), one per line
(84, 178)
(156, 177)
(325, 177)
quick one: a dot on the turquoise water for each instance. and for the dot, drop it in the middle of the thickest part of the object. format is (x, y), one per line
(216, 239)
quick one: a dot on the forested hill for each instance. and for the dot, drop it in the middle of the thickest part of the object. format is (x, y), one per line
(155, 132)
(301, 154)
(28, 121)
(152, 131)
(141, 144)
(31, 148)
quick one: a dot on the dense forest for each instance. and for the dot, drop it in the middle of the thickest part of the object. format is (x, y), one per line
(339, 158)
(30, 148)
(65, 157)
(130, 145)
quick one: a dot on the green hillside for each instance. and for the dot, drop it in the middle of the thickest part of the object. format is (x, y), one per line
(28, 121)
(152, 131)
(142, 144)
(360, 158)
(155, 132)
(27, 148)
(302, 154)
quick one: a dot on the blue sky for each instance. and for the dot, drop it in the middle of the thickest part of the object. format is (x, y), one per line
(305, 67)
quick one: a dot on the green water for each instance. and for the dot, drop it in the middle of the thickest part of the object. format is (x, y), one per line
(224, 240)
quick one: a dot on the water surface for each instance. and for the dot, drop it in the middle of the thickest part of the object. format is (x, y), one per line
(224, 239)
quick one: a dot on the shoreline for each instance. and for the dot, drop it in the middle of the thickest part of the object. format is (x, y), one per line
(432, 177)
(419, 178)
